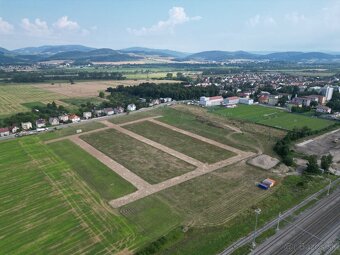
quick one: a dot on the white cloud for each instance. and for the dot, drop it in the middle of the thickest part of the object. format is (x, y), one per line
(295, 18)
(65, 24)
(38, 27)
(176, 17)
(5, 27)
(259, 20)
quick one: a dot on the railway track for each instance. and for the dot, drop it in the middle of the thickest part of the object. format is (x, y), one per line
(309, 233)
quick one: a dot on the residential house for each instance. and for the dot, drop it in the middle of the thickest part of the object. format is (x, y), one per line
(53, 121)
(131, 107)
(210, 101)
(98, 112)
(26, 125)
(301, 101)
(4, 132)
(118, 110)
(63, 118)
(231, 100)
(74, 118)
(273, 99)
(14, 129)
(108, 111)
(40, 123)
(245, 100)
(323, 109)
(87, 115)
(264, 99)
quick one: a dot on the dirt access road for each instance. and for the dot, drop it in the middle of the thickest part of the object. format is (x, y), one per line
(144, 188)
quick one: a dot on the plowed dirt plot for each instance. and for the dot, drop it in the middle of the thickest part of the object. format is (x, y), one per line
(192, 147)
(89, 88)
(144, 160)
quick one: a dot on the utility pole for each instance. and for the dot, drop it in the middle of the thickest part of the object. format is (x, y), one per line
(329, 187)
(278, 223)
(257, 212)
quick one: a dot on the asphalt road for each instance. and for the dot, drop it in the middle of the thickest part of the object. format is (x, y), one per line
(248, 239)
(314, 232)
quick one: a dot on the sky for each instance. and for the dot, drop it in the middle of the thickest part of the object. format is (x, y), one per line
(187, 25)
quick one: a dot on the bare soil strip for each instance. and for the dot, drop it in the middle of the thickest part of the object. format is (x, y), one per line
(204, 139)
(76, 135)
(158, 146)
(139, 120)
(204, 169)
(134, 179)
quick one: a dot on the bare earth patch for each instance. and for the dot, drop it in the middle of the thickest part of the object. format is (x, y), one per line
(264, 161)
(90, 88)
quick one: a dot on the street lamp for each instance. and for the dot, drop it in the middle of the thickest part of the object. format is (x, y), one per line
(329, 186)
(257, 212)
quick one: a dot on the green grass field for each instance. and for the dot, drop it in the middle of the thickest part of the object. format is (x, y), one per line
(151, 164)
(71, 130)
(272, 117)
(79, 101)
(12, 97)
(187, 145)
(98, 176)
(46, 208)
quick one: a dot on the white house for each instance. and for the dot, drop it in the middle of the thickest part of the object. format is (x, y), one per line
(40, 123)
(327, 91)
(53, 121)
(98, 112)
(231, 100)
(245, 100)
(63, 118)
(323, 109)
(87, 115)
(4, 132)
(131, 107)
(118, 110)
(210, 101)
(108, 111)
(26, 125)
(74, 118)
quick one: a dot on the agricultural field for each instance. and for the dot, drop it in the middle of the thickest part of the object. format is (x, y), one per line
(147, 162)
(71, 130)
(98, 176)
(14, 97)
(43, 200)
(187, 145)
(272, 117)
(73, 189)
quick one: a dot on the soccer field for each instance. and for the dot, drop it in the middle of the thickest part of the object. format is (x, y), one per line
(272, 117)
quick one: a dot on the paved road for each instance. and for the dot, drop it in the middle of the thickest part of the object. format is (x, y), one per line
(247, 239)
(311, 233)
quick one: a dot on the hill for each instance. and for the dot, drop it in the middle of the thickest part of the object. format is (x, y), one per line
(155, 52)
(220, 56)
(50, 49)
(94, 55)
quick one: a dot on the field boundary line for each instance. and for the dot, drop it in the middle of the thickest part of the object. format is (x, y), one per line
(75, 135)
(198, 137)
(202, 170)
(156, 145)
(139, 120)
(119, 169)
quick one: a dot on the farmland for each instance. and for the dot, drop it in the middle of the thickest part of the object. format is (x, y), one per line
(13, 97)
(182, 143)
(272, 117)
(149, 163)
(72, 188)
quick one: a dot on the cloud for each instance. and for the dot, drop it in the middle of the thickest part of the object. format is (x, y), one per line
(5, 27)
(295, 18)
(65, 24)
(259, 20)
(38, 27)
(176, 17)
